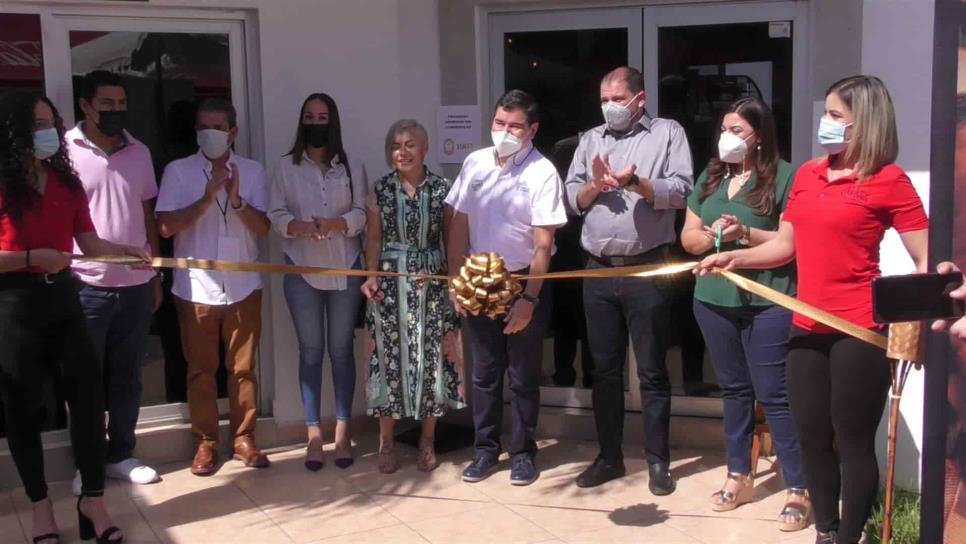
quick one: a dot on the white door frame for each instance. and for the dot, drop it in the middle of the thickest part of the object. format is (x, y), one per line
(58, 19)
(655, 17)
(57, 54)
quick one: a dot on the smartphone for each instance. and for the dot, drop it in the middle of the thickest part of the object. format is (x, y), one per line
(916, 297)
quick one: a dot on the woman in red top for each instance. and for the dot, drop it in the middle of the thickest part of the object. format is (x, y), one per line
(43, 209)
(838, 210)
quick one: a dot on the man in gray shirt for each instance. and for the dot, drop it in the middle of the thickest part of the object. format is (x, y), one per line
(627, 179)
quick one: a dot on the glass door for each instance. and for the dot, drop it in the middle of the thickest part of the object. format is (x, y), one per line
(560, 58)
(169, 65)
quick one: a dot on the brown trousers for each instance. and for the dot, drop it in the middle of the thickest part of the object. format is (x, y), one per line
(238, 326)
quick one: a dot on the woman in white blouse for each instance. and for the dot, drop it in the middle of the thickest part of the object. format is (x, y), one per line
(318, 204)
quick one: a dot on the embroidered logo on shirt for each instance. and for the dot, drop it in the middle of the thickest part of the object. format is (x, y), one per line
(855, 194)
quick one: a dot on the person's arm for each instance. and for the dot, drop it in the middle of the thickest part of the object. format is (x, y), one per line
(457, 241)
(93, 245)
(776, 252)
(173, 222)
(917, 244)
(671, 189)
(254, 219)
(373, 248)
(694, 237)
(522, 310)
(154, 242)
(50, 260)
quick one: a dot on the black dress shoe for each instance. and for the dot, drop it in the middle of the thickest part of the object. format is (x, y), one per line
(830, 537)
(660, 482)
(601, 472)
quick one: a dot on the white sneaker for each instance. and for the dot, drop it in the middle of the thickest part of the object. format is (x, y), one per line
(76, 486)
(132, 470)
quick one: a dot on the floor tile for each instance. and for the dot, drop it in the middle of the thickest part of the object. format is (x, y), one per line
(396, 534)
(496, 524)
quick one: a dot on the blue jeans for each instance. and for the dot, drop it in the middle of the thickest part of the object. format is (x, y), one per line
(311, 309)
(118, 321)
(748, 348)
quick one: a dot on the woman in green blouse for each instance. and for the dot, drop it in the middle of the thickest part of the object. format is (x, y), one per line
(738, 201)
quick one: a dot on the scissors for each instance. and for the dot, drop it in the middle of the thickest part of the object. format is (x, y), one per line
(717, 239)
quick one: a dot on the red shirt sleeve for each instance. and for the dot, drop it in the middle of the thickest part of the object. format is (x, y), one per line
(903, 206)
(82, 216)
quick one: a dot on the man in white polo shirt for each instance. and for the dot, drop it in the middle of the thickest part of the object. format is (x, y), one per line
(507, 199)
(213, 203)
(118, 301)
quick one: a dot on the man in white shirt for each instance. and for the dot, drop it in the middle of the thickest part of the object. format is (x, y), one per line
(508, 199)
(214, 204)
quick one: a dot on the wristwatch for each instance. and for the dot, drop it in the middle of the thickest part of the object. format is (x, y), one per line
(745, 239)
(531, 299)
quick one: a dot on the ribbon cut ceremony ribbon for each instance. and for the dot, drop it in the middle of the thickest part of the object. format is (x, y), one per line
(642, 271)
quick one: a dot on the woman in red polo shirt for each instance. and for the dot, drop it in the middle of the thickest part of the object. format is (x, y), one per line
(838, 210)
(43, 208)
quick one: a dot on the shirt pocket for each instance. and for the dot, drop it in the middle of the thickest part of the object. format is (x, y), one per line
(521, 203)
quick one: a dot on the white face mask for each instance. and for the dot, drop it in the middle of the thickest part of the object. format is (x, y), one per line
(213, 142)
(618, 116)
(732, 149)
(506, 143)
(831, 135)
(46, 143)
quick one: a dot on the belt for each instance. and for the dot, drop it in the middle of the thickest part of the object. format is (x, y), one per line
(656, 254)
(31, 279)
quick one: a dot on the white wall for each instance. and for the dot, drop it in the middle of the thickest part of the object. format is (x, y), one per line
(379, 59)
(897, 41)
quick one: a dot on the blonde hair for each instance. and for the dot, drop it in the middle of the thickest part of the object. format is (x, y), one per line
(875, 140)
(401, 126)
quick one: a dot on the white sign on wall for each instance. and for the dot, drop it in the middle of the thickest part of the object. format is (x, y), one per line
(458, 128)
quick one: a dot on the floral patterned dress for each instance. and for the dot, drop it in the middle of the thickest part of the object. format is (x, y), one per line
(415, 362)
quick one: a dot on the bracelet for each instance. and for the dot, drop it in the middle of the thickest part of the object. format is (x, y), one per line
(28, 259)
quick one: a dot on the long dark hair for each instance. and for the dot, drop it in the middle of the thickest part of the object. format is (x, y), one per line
(335, 132)
(17, 153)
(765, 157)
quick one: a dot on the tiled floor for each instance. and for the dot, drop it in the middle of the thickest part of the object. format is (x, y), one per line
(287, 504)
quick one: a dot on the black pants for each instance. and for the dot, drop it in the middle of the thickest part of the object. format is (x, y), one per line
(519, 355)
(616, 308)
(43, 335)
(569, 329)
(837, 388)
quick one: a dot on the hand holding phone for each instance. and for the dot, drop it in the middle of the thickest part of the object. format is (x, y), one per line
(916, 297)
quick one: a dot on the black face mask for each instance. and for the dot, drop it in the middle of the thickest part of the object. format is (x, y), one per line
(316, 135)
(112, 122)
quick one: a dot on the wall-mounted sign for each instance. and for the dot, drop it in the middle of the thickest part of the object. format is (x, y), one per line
(458, 128)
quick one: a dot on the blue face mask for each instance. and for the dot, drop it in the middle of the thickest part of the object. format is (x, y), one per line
(46, 143)
(831, 135)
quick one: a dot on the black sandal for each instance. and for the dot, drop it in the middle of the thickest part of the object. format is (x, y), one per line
(87, 528)
(48, 536)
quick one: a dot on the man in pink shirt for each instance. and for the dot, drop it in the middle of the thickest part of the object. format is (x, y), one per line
(118, 301)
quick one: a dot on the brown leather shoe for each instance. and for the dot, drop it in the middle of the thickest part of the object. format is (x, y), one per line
(206, 459)
(247, 452)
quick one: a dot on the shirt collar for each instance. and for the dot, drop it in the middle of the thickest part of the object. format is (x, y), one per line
(821, 170)
(126, 139)
(516, 159)
(207, 163)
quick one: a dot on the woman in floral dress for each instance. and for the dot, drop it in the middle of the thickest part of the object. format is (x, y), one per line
(415, 365)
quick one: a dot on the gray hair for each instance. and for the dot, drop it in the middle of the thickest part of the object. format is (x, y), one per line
(402, 126)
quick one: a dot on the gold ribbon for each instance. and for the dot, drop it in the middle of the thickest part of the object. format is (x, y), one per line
(642, 271)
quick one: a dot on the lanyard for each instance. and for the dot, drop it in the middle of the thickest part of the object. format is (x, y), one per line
(222, 209)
